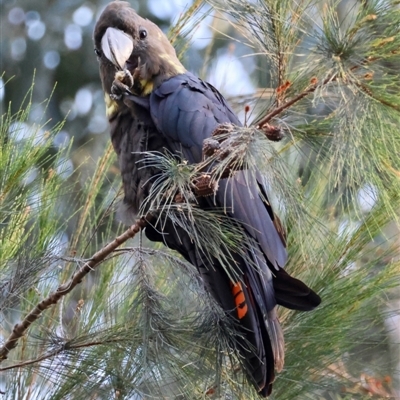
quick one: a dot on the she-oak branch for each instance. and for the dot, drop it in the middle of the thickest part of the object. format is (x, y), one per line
(202, 187)
(20, 328)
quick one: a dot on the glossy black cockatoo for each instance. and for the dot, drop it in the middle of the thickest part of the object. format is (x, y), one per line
(155, 105)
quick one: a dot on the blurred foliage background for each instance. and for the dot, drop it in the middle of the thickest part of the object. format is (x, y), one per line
(50, 44)
(57, 197)
(52, 41)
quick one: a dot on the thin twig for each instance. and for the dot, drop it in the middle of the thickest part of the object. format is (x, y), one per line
(294, 100)
(311, 89)
(369, 93)
(286, 105)
(20, 328)
(58, 351)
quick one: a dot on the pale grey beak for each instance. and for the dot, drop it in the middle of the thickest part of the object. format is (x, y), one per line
(117, 46)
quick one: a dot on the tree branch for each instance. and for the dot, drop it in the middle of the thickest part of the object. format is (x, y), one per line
(61, 349)
(20, 328)
(292, 101)
(310, 89)
(203, 185)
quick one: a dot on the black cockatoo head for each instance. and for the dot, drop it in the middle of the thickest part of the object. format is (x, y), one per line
(124, 40)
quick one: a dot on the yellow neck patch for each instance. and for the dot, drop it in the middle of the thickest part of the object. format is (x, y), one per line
(111, 106)
(147, 87)
(174, 63)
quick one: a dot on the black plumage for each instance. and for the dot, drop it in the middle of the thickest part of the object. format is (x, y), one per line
(154, 104)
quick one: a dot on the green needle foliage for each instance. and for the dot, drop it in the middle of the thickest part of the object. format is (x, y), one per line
(141, 325)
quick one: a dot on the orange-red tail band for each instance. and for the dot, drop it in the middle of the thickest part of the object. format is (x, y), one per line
(240, 300)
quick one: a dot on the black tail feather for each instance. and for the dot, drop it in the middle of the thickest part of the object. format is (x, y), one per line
(293, 293)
